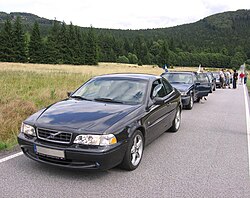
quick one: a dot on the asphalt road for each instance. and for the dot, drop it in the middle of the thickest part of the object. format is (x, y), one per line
(207, 157)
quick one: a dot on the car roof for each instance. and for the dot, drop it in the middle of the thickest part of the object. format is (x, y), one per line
(180, 72)
(130, 75)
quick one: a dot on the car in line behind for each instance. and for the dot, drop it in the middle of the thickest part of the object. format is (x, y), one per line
(212, 81)
(217, 79)
(192, 86)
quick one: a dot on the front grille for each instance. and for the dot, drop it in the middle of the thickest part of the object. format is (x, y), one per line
(54, 136)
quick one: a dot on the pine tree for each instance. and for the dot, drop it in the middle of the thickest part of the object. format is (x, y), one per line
(74, 48)
(91, 48)
(36, 45)
(6, 43)
(52, 45)
(64, 51)
(141, 49)
(19, 42)
(79, 54)
(164, 54)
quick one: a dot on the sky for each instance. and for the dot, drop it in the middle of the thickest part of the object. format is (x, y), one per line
(124, 14)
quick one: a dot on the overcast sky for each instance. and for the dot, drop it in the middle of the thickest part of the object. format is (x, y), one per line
(124, 14)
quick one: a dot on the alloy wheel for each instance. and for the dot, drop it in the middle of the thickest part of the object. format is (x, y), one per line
(191, 101)
(136, 150)
(177, 119)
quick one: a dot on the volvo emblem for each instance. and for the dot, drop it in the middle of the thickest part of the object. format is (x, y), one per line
(52, 135)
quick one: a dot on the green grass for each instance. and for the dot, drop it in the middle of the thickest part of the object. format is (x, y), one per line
(248, 85)
(23, 93)
(248, 82)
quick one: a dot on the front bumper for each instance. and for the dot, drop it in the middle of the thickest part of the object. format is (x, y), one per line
(101, 158)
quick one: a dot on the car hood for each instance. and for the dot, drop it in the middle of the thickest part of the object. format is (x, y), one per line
(182, 87)
(83, 116)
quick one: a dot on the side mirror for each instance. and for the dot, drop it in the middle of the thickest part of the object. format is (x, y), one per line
(69, 94)
(156, 90)
(159, 101)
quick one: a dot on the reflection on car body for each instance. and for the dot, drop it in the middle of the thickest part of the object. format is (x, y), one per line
(106, 122)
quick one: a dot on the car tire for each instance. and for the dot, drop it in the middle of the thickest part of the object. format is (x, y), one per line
(198, 99)
(134, 152)
(191, 103)
(176, 122)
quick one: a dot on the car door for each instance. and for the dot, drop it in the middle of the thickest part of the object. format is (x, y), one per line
(158, 119)
(202, 85)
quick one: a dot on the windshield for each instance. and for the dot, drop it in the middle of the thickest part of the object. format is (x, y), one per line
(127, 91)
(179, 78)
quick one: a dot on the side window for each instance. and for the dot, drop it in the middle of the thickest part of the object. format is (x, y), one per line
(158, 89)
(167, 86)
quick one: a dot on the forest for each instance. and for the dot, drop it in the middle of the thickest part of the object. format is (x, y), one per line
(220, 40)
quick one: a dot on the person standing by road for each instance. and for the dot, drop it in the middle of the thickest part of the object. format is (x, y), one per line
(228, 78)
(222, 79)
(245, 77)
(241, 77)
(235, 78)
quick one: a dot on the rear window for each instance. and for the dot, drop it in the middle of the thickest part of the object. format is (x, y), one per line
(202, 78)
(216, 75)
(183, 78)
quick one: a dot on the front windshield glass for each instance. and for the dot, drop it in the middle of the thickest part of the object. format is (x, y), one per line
(125, 91)
(179, 78)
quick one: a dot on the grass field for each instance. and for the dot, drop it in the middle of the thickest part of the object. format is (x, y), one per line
(248, 85)
(26, 88)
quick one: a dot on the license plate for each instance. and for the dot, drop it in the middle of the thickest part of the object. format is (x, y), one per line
(49, 152)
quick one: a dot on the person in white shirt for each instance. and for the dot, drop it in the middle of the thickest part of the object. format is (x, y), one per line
(222, 78)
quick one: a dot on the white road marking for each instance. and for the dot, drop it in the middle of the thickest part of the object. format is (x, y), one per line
(248, 125)
(10, 157)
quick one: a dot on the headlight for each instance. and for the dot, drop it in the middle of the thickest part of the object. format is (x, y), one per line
(102, 140)
(27, 129)
(184, 93)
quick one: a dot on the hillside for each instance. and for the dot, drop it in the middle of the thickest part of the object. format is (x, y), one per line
(28, 20)
(227, 29)
(218, 37)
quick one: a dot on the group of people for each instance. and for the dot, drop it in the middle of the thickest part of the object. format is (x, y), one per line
(226, 77)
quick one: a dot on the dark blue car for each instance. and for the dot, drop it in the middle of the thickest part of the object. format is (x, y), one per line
(106, 122)
(192, 86)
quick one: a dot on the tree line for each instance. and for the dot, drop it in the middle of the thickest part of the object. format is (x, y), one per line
(65, 44)
(69, 44)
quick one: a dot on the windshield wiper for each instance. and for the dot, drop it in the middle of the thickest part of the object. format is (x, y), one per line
(80, 97)
(176, 82)
(108, 100)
